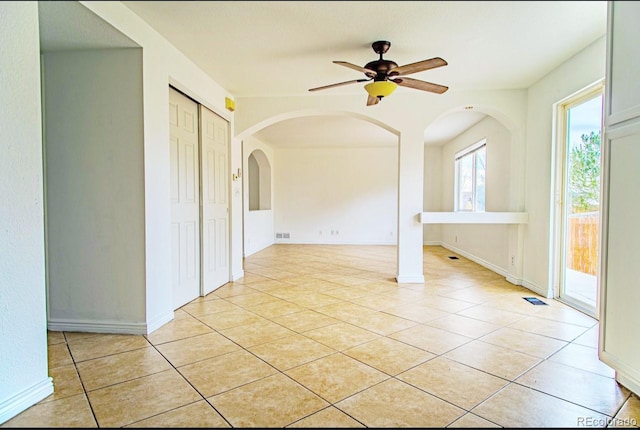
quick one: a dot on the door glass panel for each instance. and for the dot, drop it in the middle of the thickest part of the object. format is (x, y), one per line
(581, 208)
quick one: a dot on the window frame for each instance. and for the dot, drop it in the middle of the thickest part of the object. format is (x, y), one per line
(471, 150)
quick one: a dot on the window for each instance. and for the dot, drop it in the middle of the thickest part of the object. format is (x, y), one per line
(471, 166)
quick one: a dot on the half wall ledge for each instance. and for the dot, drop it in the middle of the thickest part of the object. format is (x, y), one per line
(474, 217)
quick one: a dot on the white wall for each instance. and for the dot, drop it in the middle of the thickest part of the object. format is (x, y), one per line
(95, 191)
(352, 191)
(164, 64)
(583, 69)
(24, 377)
(258, 224)
(488, 244)
(432, 233)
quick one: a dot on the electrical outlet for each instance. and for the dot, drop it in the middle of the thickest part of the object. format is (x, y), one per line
(455, 239)
(513, 260)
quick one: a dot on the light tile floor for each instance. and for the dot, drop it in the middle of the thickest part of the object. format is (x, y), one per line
(322, 336)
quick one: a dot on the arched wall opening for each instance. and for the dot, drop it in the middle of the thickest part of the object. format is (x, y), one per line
(495, 246)
(327, 193)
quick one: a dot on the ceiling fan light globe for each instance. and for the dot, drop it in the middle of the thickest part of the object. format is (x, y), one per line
(380, 89)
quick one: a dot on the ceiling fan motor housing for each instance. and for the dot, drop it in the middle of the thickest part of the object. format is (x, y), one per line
(382, 68)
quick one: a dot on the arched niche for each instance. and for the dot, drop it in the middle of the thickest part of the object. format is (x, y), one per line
(259, 181)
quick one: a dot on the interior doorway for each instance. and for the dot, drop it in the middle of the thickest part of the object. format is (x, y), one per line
(578, 206)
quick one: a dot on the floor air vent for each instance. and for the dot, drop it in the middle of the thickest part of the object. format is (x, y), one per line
(453, 257)
(534, 301)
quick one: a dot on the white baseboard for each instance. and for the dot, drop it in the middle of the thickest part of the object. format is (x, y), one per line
(510, 278)
(432, 243)
(410, 279)
(345, 242)
(257, 248)
(514, 280)
(97, 327)
(156, 323)
(237, 275)
(497, 269)
(629, 382)
(25, 399)
(536, 289)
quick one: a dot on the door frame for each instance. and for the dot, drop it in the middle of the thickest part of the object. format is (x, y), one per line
(558, 167)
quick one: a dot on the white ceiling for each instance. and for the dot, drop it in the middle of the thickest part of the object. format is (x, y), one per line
(283, 48)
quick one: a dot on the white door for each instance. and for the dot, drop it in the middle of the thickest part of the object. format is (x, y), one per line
(185, 198)
(214, 132)
(619, 341)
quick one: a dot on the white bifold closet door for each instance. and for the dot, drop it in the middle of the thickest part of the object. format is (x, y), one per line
(185, 198)
(214, 138)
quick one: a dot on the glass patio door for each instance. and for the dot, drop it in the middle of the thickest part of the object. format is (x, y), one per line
(581, 202)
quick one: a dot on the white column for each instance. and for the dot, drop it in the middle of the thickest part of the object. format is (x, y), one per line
(410, 196)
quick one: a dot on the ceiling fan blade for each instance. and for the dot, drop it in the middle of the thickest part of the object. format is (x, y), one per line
(338, 84)
(418, 67)
(420, 85)
(372, 100)
(368, 72)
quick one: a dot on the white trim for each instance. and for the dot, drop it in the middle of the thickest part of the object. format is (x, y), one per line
(159, 322)
(410, 279)
(25, 399)
(307, 242)
(517, 281)
(480, 261)
(558, 189)
(470, 149)
(474, 217)
(514, 280)
(627, 376)
(97, 327)
(544, 292)
(237, 275)
(625, 115)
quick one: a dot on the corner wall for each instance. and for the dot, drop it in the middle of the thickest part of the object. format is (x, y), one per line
(24, 378)
(95, 190)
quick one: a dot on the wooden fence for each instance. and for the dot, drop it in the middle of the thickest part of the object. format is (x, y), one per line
(582, 242)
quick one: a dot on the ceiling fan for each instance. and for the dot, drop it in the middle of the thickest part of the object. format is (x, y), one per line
(387, 75)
